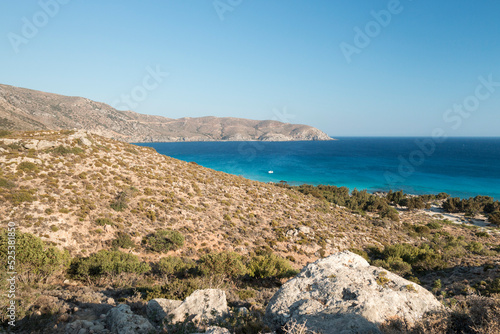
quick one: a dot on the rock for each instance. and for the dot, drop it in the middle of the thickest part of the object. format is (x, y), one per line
(31, 145)
(121, 320)
(243, 311)
(45, 144)
(344, 294)
(208, 304)
(216, 330)
(304, 229)
(97, 328)
(157, 309)
(78, 327)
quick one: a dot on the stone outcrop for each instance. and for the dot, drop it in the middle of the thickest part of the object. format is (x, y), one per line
(158, 308)
(344, 294)
(121, 320)
(201, 305)
(216, 330)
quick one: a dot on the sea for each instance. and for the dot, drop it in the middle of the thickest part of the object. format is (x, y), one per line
(461, 167)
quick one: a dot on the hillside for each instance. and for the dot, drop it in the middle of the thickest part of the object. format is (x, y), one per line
(80, 192)
(76, 176)
(27, 110)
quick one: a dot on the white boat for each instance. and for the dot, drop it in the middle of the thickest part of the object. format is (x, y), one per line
(270, 172)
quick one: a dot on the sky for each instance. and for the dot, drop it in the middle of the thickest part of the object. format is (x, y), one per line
(349, 68)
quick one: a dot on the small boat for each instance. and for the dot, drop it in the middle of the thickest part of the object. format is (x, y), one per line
(270, 172)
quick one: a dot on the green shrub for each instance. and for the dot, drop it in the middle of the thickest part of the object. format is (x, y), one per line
(27, 166)
(228, 264)
(422, 257)
(494, 218)
(64, 150)
(107, 262)
(104, 221)
(164, 241)
(246, 294)
(122, 240)
(120, 202)
(422, 229)
(34, 260)
(270, 265)
(4, 183)
(177, 289)
(173, 265)
(475, 247)
(395, 265)
(483, 234)
(17, 197)
(434, 225)
(361, 253)
(390, 213)
(4, 133)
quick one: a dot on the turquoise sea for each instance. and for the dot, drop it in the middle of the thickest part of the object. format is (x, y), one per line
(462, 167)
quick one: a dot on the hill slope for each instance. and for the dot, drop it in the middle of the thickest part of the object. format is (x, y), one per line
(25, 109)
(64, 185)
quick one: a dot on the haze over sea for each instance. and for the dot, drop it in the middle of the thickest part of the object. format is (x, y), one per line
(461, 167)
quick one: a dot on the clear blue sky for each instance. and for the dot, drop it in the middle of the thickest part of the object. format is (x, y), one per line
(267, 56)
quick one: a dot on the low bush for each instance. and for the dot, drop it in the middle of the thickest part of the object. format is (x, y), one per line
(4, 183)
(4, 133)
(164, 240)
(395, 265)
(34, 259)
(27, 166)
(122, 240)
(104, 221)
(227, 264)
(17, 197)
(434, 225)
(177, 289)
(121, 202)
(270, 265)
(107, 263)
(173, 265)
(65, 150)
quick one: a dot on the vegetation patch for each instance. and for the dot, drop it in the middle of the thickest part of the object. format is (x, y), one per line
(105, 263)
(164, 240)
(35, 260)
(270, 265)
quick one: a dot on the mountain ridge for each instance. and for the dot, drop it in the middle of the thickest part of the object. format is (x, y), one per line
(31, 110)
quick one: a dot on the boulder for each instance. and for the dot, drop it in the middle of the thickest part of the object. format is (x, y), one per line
(45, 144)
(216, 330)
(201, 305)
(121, 320)
(344, 294)
(158, 308)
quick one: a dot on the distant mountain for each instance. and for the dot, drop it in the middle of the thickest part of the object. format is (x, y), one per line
(26, 109)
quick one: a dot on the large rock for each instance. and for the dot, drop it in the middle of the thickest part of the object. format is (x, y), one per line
(216, 330)
(201, 305)
(158, 308)
(344, 294)
(121, 320)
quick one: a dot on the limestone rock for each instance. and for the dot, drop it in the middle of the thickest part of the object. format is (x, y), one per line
(158, 308)
(344, 294)
(121, 320)
(206, 304)
(216, 330)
